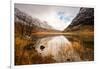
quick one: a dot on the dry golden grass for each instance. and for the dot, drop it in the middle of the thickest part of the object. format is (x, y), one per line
(25, 55)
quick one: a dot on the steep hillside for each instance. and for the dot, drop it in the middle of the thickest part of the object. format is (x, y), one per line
(25, 24)
(84, 21)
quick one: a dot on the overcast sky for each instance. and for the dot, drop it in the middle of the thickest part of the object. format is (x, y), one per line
(59, 17)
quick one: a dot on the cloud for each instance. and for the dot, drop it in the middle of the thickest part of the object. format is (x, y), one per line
(58, 17)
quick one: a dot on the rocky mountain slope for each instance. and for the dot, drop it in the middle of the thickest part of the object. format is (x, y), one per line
(84, 21)
(25, 24)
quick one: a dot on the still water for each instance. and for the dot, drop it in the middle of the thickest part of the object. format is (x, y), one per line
(57, 49)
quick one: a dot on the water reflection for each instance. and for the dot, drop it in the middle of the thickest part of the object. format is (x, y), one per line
(55, 49)
(59, 47)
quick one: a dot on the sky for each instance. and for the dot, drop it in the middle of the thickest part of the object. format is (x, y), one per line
(59, 17)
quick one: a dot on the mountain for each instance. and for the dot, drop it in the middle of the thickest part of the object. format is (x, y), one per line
(25, 24)
(84, 21)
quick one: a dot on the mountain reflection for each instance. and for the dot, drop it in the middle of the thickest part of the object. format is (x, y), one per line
(56, 49)
(59, 47)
